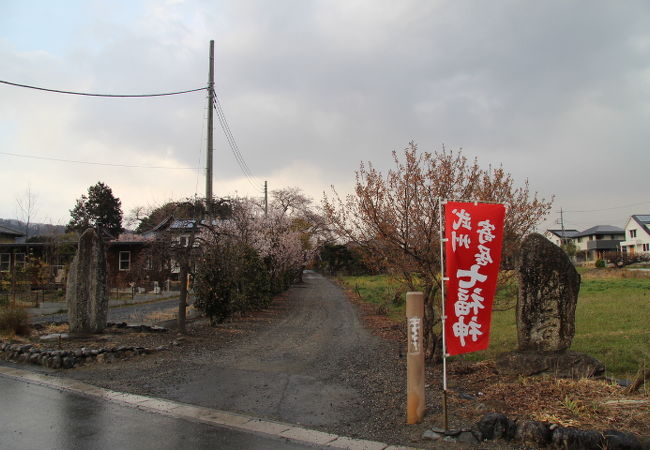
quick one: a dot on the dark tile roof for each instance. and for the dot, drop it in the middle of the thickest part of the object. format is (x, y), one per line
(601, 229)
(172, 223)
(9, 231)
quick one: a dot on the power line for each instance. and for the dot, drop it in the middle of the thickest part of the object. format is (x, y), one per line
(87, 94)
(231, 139)
(234, 148)
(608, 209)
(46, 158)
(216, 104)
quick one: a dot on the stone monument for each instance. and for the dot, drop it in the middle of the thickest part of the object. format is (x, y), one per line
(548, 295)
(546, 307)
(86, 289)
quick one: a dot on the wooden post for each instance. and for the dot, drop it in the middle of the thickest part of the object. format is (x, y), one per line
(414, 358)
(210, 146)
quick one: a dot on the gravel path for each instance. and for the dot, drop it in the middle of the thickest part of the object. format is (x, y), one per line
(306, 360)
(289, 370)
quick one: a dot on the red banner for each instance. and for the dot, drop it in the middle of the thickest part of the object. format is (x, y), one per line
(473, 253)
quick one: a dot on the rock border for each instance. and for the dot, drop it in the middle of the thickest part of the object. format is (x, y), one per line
(495, 426)
(68, 359)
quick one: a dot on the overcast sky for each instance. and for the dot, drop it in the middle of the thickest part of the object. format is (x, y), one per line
(556, 91)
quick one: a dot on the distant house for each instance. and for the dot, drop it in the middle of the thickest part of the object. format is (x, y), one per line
(122, 255)
(637, 234)
(591, 243)
(558, 236)
(56, 254)
(150, 257)
(8, 257)
(8, 235)
(598, 240)
(145, 259)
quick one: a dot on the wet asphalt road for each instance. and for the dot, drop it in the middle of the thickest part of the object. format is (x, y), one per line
(129, 313)
(39, 417)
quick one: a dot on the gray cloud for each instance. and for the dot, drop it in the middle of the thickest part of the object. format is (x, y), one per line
(556, 91)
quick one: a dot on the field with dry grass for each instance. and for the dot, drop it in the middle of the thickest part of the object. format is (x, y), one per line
(612, 317)
(611, 325)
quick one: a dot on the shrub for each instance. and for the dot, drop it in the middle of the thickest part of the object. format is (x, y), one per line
(600, 263)
(231, 278)
(14, 321)
(215, 283)
(254, 284)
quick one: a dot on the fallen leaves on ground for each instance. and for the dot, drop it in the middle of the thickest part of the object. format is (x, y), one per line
(582, 403)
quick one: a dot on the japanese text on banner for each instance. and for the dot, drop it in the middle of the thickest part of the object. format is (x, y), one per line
(473, 250)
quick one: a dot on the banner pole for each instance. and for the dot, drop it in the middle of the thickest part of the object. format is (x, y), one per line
(444, 317)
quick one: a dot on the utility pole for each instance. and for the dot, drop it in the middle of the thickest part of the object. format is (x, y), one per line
(563, 240)
(210, 149)
(266, 199)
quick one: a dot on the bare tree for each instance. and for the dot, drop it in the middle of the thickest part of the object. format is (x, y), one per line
(26, 208)
(393, 218)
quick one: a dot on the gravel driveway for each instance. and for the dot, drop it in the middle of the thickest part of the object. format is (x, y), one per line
(295, 370)
(306, 360)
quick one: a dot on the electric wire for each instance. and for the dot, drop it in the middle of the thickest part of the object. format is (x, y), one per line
(87, 94)
(607, 209)
(76, 161)
(232, 138)
(232, 143)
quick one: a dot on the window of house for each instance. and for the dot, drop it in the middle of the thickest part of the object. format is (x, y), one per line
(646, 247)
(174, 265)
(183, 241)
(19, 260)
(148, 263)
(125, 261)
(5, 262)
(632, 233)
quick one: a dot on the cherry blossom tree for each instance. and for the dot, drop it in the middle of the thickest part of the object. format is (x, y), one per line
(252, 255)
(393, 219)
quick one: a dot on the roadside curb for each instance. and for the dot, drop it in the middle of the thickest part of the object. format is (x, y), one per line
(200, 414)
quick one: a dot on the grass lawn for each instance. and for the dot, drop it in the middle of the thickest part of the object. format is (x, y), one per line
(612, 317)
